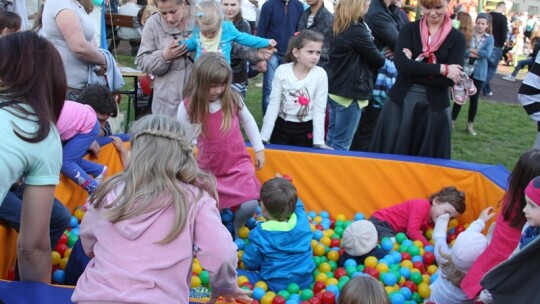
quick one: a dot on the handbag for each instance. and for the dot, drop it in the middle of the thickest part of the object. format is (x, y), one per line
(386, 77)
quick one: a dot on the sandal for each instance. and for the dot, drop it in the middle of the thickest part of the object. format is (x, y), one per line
(468, 83)
(459, 93)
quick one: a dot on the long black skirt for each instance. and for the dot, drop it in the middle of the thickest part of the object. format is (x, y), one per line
(413, 128)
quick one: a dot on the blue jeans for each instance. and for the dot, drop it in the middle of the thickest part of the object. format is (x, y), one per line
(521, 64)
(10, 213)
(493, 63)
(271, 67)
(73, 164)
(342, 124)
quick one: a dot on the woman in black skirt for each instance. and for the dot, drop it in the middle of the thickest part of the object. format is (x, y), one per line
(428, 57)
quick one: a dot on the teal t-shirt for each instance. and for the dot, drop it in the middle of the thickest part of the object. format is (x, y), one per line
(39, 162)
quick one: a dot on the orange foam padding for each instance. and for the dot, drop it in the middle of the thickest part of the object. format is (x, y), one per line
(338, 182)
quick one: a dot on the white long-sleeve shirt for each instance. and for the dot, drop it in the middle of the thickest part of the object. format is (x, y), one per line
(286, 88)
(247, 122)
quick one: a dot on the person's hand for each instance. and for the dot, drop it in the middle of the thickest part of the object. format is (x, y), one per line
(388, 53)
(441, 226)
(239, 295)
(407, 53)
(487, 214)
(94, 149)
(265, 53)
(272, 43)
(454, 72)
(323, 147)
(259, 159)
(173, 50)
(118, 144)
(261, 66)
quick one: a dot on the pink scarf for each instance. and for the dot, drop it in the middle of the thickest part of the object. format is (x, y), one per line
(429, 48)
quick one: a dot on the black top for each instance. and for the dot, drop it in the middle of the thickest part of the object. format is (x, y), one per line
(500, 28)
(410, 72)
(385, 22)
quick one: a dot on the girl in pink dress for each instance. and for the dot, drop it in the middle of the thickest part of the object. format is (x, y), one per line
(210, 103)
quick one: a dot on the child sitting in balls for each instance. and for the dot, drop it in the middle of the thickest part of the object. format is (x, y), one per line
(360, 241)
(363, 290)
(414, 216)
(455, 262)
(279, 250)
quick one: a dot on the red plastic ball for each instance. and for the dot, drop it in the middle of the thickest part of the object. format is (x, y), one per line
(329, 297)
(429, 258)
(405, 256)
(61, 248)
(410, 285)
(459, 229)
(278, 300)
(319, 285)
(319, 227)
(451, 237)
(248, 285)
(332, 223)
(372, 272)
(340, 272)
(63, 239)
(314, 300)
(419, 265)
(335, 242)
(146, 84)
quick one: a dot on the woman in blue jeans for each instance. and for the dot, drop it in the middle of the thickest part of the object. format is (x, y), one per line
(353, 56)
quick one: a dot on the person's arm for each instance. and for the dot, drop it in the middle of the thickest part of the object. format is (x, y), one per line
(245, 38)
(252, 131)
(70, 27)
(86, 231)
(487, 49)
(361, 42)
(150, 56)
(33, 244)
(272, 112)
(414, 225)
(252, 257)
(439, 236)
(320, 99)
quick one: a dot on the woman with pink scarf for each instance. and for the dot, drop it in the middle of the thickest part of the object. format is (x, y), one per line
(428, 56)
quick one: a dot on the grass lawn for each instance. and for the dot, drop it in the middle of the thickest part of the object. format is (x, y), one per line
(504, 131)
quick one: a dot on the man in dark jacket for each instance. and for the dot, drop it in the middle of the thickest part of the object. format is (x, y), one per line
(383, 18)
(317, 18)
(499, 25)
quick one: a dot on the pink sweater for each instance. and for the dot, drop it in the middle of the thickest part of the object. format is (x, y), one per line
(504, 241)
(130, 265)
(75, 118)
(411, 217)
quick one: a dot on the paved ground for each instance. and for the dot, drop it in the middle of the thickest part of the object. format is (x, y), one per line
(505, 91)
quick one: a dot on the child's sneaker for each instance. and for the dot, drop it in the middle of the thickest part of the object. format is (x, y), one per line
(100, 177)
(509, 78)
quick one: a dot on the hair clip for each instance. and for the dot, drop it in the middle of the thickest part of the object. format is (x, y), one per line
(296, 34)
(199, 14)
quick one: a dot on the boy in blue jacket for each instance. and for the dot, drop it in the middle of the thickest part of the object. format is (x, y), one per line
(279, 250)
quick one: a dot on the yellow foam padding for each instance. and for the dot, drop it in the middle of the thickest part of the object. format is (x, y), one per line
(335, 183)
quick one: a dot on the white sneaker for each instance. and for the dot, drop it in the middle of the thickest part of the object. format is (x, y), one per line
(509, 78)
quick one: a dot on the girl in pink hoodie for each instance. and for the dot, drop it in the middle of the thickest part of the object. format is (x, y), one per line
(145, 225)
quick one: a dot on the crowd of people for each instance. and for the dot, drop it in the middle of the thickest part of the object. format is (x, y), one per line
(361, 78)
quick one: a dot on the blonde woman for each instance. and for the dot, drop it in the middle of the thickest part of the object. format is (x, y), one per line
(163, 203)
(353, 58)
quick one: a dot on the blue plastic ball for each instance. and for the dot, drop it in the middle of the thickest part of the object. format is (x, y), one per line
(333, 288)
(428, 248)
(326, 223)
(434, 277)
(226, 215)
(406, 292)
(359, 216)
(317, 234)
(73, 222)
(417, 258)
(350, 262)
(389, 259)
(324, 214)
(397, 256)
(387, 244)
(258, 293)
(312, 214)
(59, 276)
(405, 272)
(289, 301)
(295, 297)
(390, 279)
(240, 244)
(407, 243)
(251, 223)
(397, 298)
(74, 231)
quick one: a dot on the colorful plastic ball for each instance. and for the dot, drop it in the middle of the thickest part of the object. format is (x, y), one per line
(251, 223)
(67, 253)
(195, 281)
(318, 286)
(397, 298)
(258, 293)
(417, 298)
(333, 265)
(278, 300)
(55, 258)
(396, 255)
(350, 262)
(226, 215)
(240, 244)
(328, 297)
(340, 272)
(72, 239)
(205, 277)
(405, 256)
(407, 243)
(359, 216)
(405, 272)
(324, 214)
(293, 288)
(318, 250)
(407, 263)
(262, 284)
(267, 299)
(73, 222)
(285, 294)
(317, 235)
(371, 261)
(333, 255)
(416, 277)
(429, 258)
(325, 267)
(291, 301)
(59, 276)
(306, 294)
(74, 231)
(382, 267)
(406, 292)
(420, 266)
(434, 277)
(390, 279)
(79, 214)
(417, 258)
(387, 244)
(321, 277)
(243, 232)
(432, 269)
(61, 249)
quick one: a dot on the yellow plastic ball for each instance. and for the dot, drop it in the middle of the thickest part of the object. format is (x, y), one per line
(195, 281)
(422, 251)
(313, 228)
(55, 258)
(429, 233)
(389, 289)
(426, 278)
(313, 243)
(317, 219)
(79, 214)
(415, 270)
(432, 269)
(240, 254)
(261, 284)
(63, 263)
(371, 261)
(270, 293)
(418, 244)
(333, 255)
(196, 268)
(423, 290)
(402, 280)
(325, 267)
(325, 241)
(321, 277)
(241, 280)
(332, 281)
(407, 263)
(341, 217)
(267, 299)
(318, 250)
(67, 253)
(241, 265)
(243, 232)
(382, 267)
(453, 223)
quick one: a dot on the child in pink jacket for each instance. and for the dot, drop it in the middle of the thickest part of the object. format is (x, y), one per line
(146, 224)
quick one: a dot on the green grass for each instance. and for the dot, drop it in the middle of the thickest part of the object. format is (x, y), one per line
(504, 131)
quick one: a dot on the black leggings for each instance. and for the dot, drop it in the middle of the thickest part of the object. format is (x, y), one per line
(473, 106)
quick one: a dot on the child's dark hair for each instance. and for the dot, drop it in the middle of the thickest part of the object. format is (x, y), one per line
(100, 99)
(452, 196)
(9, 20)
(363, 289)
(299, 41)
(279, 198)
(527, 167)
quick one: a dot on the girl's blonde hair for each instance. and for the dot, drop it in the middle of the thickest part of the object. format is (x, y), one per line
(346, 13)
(208, 12)
(449, 270)
(211, 68)
(363, 290)
(161, 160)
(466, 26)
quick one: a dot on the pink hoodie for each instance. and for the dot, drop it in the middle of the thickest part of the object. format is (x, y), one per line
(129, 265)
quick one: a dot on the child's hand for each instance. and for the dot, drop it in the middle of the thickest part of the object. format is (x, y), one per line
(259, 159)
(323, 147)
(272, 43)
(486, 214)
(261, 66)
(265, 53)
(407, 53)
(441, 226)
(118, 144)
(94, 149)
(239, 295)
